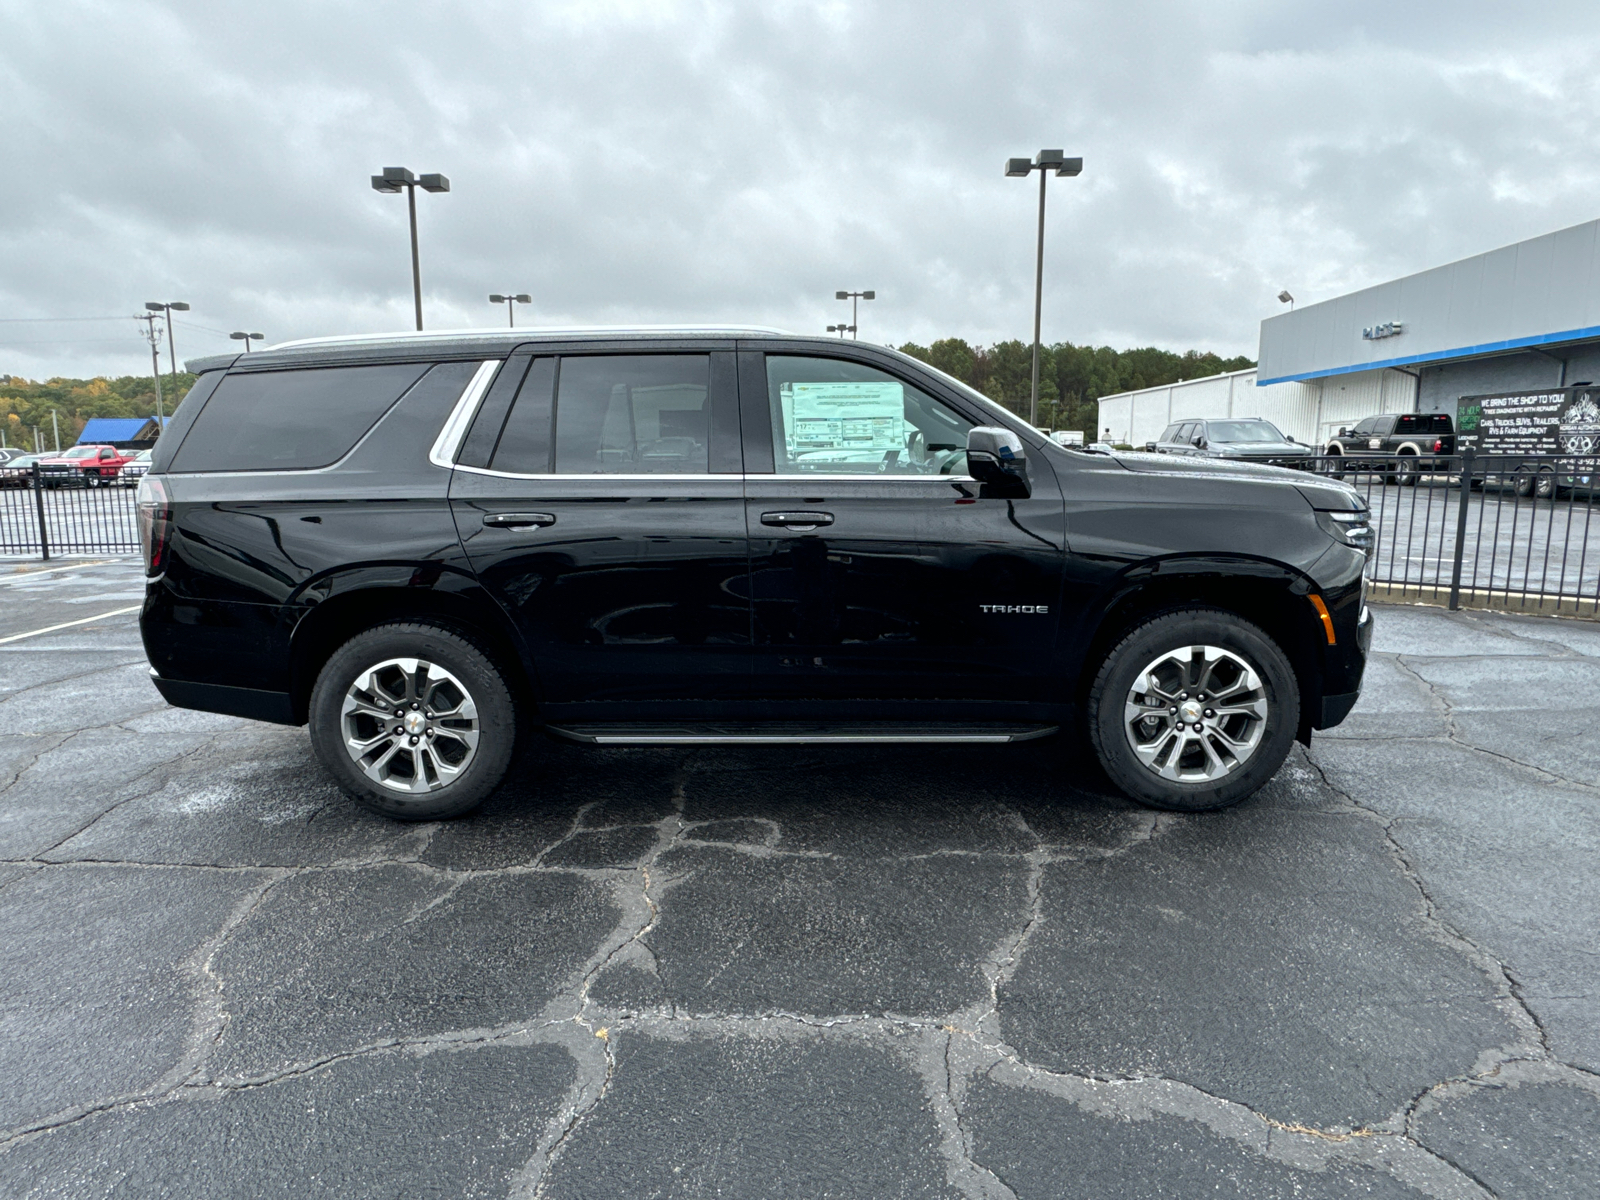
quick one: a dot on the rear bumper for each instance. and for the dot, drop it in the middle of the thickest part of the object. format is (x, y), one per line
(233, 701)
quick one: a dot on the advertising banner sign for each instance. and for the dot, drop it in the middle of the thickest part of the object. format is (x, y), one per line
(1555, 421)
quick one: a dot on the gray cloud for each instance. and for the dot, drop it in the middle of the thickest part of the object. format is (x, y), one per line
(633, 161)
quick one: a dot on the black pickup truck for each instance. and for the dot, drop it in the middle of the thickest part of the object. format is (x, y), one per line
(1403, 446)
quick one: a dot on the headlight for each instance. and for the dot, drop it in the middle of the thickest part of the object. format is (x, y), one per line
(1351, 528)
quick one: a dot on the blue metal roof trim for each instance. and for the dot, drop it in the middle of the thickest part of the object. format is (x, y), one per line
(1542, 339)
(111, 429)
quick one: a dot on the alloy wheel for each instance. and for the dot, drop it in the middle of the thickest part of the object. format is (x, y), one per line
(1196, 714)
(410, 725)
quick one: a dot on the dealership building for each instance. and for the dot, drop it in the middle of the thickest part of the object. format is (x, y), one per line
(1521, 318)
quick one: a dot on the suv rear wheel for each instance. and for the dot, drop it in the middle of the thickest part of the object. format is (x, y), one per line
(1193, 710)
(413, 721)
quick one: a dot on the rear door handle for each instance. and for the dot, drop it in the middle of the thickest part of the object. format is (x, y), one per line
(797, 520)
(519, 520)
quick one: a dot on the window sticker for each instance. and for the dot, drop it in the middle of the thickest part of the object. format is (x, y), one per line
(842, 416)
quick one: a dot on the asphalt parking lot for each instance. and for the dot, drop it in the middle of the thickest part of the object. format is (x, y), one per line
(855, 973)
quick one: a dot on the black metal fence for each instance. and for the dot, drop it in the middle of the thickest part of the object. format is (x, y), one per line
(45, 518)
(1523, 535)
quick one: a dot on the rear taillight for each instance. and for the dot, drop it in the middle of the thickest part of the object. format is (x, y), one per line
(155, 525)
(1438, 445)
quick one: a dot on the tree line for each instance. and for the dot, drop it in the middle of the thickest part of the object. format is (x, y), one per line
(26, 404)
(1071, 378)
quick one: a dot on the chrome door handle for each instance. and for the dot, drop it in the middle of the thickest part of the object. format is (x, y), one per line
(519, 520)
(797, 520)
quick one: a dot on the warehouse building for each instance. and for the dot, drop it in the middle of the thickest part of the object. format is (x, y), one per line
(1521, 318)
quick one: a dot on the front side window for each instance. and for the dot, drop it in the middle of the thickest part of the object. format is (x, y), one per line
(835, 417)
(633, 414)
(1169, 434)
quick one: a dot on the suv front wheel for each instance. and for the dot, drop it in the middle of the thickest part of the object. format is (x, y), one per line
(413, 721)
(1193, 710)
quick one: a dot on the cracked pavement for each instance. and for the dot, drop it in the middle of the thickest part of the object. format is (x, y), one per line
(852, 972)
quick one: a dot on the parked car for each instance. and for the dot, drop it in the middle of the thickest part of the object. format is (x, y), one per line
(18, 471)
(420, 544)
(1250, 439)
(7, 453)
(90, 466)
(134, 469)
(1403, 446)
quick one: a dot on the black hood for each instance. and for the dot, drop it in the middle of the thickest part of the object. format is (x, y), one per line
(1318, 491)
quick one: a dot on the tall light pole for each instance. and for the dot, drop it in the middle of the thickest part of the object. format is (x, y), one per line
(1285, 298)
(153, 334)
(1021, 168)
(853, 297)
(511, 303)
(169, 309)
(396, 179)
(240, 335)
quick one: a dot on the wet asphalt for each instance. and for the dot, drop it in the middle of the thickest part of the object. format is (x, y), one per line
(856, 972)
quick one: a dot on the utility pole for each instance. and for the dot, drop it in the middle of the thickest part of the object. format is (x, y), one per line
(154, 335)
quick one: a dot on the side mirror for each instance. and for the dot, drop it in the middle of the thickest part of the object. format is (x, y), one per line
(1150, 447)
(1200, 442)
(1344, 431)
(997, 459)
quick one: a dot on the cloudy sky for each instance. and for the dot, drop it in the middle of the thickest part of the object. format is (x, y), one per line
(662, 161)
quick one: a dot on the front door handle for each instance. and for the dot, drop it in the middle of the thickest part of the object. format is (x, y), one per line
(797, 520)
(519, 520)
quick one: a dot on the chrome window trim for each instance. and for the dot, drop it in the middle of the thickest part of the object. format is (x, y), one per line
(724, 478)
(448, 444)
(597, 475)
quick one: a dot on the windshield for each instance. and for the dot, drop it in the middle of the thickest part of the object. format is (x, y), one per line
(1243, 431)
(81, 452)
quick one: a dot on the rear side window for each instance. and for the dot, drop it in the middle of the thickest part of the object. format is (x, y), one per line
(1424, 423)
(291, 420)
(1170, 434)
(633, 414)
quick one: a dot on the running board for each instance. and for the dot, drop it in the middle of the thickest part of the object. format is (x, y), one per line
(796, 733)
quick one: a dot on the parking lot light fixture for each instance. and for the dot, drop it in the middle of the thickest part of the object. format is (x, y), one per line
(168, 309)
(511, 303)
(1285, 298)
(398, 179)
(1021, 168)
(240, 335)
(841, 330)
(853, 297)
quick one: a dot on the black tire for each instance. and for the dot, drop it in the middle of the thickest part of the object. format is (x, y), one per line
(1157, 637)
(479, 677)
(91, 479)
(1406, 471)
(1333, 469)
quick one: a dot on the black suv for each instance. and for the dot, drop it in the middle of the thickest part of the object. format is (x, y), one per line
(1250, 439)
(423, 544)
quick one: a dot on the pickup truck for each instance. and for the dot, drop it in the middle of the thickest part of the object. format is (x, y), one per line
(92, 466)
(1403, 446)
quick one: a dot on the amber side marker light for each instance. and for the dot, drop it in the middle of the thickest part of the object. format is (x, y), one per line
(1327, 621)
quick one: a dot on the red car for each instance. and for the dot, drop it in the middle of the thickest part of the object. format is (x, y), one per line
(91, 466)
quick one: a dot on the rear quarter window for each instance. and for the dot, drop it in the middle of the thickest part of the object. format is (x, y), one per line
(291, 420)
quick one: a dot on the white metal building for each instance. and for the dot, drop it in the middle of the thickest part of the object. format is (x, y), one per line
(1520, 318)
(1307, 410)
